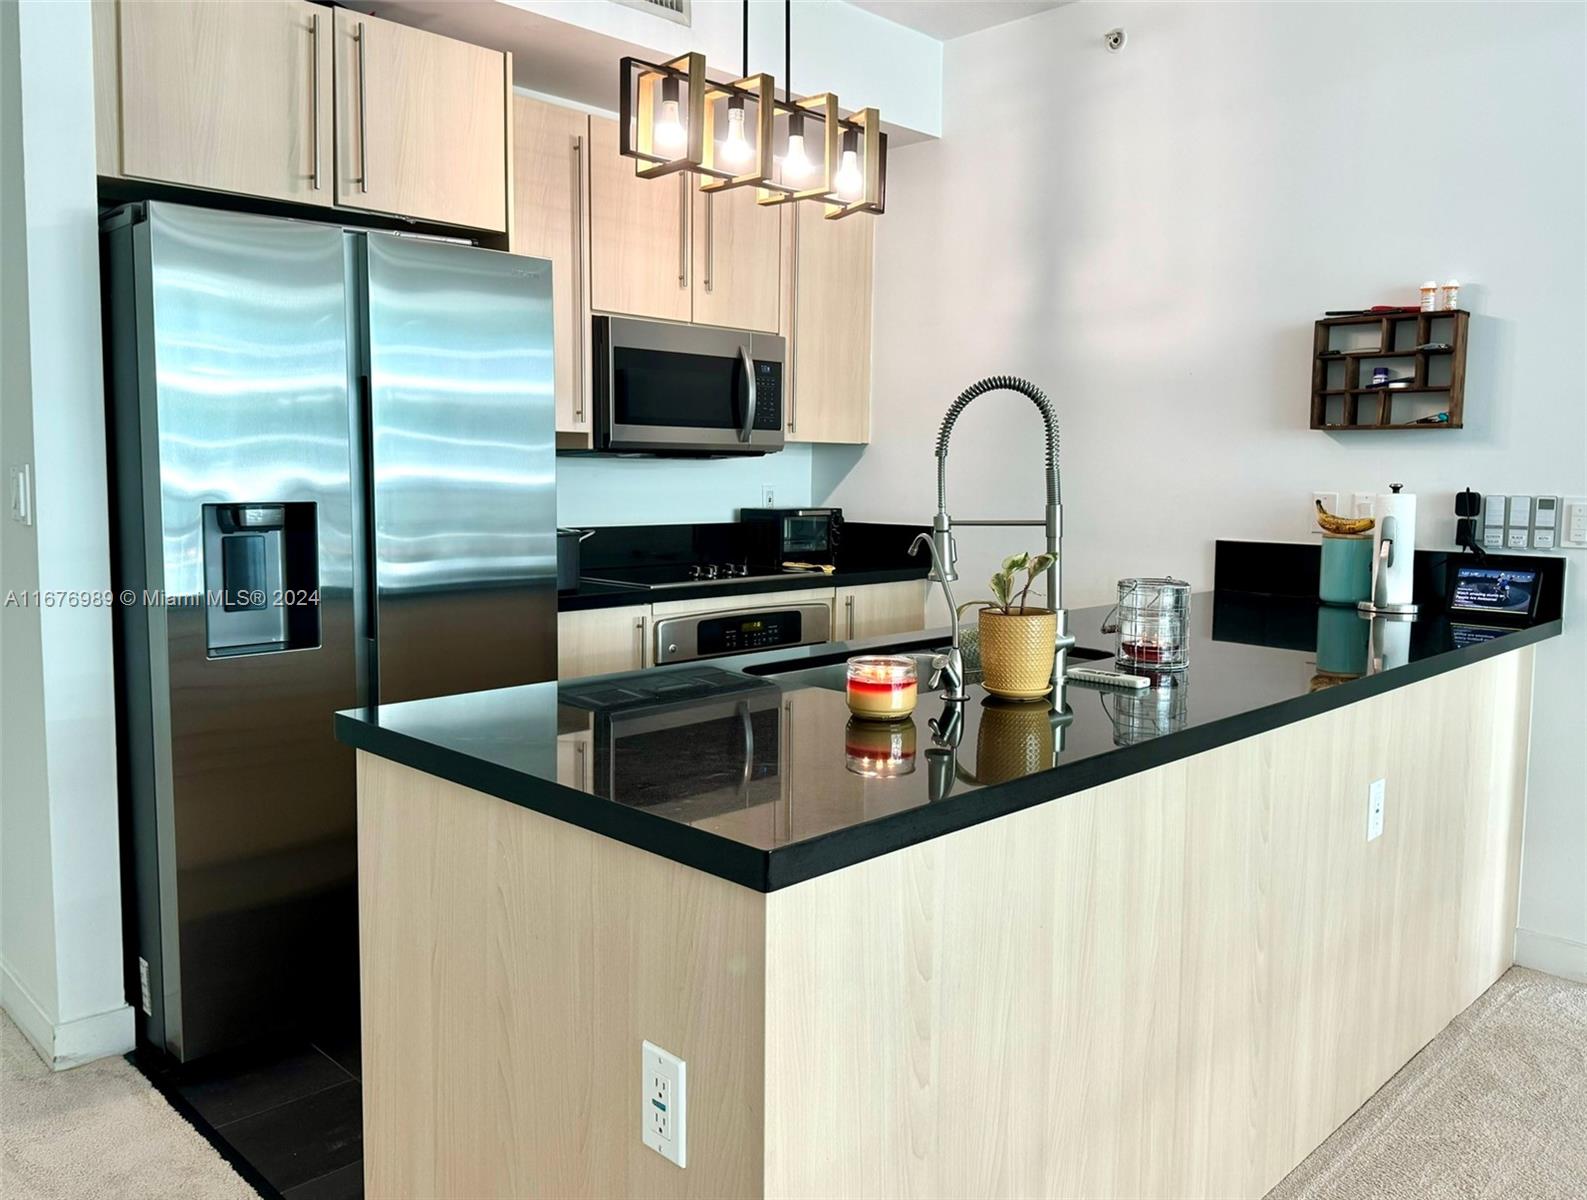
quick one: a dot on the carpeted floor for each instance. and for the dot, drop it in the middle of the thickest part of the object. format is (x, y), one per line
(1494, 1106)
(99, 1131)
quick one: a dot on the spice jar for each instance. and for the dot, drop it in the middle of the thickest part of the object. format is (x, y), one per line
(1452, 295)
(882, 687)
(1430, 296)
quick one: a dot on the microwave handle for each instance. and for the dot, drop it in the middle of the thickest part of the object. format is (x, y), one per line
(748, 429)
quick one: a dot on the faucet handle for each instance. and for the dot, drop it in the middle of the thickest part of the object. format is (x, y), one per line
(939, 664)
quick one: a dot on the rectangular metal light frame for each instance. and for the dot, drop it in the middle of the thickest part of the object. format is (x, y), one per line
(636, 114)
(760, 89)
(823, 108)
(873, 143)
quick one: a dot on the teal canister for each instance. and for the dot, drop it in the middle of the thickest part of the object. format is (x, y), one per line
(1346, 576)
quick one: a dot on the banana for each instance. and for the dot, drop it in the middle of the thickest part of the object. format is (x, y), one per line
(1335, 524)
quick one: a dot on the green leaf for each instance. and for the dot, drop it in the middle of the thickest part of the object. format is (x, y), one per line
(1002, 587)
(1040, 563)
(1015, 562)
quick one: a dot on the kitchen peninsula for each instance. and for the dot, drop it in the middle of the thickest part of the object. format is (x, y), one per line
(1119, 946)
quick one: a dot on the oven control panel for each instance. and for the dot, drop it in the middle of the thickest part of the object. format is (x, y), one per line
(711, 635)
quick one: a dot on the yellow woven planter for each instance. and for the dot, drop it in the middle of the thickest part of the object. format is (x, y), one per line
(1017, 652)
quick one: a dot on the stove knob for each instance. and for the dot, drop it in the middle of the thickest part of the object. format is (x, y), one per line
(710, 571)
(694, 571)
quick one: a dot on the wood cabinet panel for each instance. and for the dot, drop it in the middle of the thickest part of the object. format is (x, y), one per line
(550, 151)
(598, 641)
(227, 96)
(639, 235)
(829, 328)
(421, 123)
(1174, 985)
(737, 260)
(877, 609)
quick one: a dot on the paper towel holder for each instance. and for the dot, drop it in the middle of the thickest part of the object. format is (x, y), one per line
(1396, 555)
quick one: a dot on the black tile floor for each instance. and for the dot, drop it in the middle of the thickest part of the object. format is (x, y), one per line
(287, 1114)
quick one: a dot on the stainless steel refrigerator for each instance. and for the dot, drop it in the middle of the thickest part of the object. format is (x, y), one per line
(334, 481)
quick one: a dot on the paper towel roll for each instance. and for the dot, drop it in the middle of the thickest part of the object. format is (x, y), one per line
(1397, 518)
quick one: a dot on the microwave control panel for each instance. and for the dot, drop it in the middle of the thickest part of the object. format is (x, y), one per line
(768, 395)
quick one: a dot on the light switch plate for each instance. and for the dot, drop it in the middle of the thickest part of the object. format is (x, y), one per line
(1493, 508)
(663, 1099)
(1375, 797)
(1330, 501)
(1573, 522)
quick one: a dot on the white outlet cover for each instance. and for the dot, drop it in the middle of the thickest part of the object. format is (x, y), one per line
(768, 496)
(1376, 793)
(663, 1101)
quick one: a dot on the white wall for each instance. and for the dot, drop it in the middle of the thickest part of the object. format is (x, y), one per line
(60, 904)
(1150, 235)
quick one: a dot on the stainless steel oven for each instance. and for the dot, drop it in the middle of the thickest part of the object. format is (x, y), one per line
(686, 389)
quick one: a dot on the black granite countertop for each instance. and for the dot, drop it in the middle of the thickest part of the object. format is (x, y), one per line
(870, 553)
(746, 767)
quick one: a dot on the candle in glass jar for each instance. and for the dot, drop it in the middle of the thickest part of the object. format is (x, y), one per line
(882, 687)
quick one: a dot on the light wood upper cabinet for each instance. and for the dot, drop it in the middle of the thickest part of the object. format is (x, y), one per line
(421, 123)
(737, 260)
(639, 234)
(550, 149)
(598, 641)
(231, 97)
(878, 609)
(829, 328)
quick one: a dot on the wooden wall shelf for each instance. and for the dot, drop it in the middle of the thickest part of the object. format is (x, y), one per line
(1339, 399)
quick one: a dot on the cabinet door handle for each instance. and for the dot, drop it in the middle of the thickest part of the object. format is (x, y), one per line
(363, 123)
(639, 638)
(790, 378)
(578, 270)
(710, 238)
(683, 229)
(848, 609)
(314, 107)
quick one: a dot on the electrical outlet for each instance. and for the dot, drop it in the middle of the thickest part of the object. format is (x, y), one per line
(1330, 501)
(1364, 504)
(768, 496)
(1375, 795)
(663, 1111)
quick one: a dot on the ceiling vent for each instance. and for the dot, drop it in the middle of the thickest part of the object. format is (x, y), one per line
(672, 10)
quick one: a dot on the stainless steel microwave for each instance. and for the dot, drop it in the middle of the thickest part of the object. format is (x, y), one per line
(686, 389)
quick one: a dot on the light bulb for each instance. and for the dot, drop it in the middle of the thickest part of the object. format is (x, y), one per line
(795, 166)
(850, 182)
(735, 149)
(669, 133)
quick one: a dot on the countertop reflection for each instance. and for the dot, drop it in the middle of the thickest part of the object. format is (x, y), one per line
(753, 769)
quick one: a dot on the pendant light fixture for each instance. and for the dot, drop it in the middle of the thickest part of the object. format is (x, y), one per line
(662, 114)
(672, 119)
(834, 160)
(742, 111)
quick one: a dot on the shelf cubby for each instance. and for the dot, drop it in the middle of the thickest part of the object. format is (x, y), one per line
(1341, 358)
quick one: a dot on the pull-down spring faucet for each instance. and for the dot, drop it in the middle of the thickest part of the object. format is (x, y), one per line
(945, 551)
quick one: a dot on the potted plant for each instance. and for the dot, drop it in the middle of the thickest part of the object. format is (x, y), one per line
(1017, 641)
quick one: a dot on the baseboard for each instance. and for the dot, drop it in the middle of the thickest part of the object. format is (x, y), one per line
(72, 1043)
(1551, 955)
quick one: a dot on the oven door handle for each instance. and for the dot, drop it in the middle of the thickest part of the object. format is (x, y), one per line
(747, 430)
(749, 748)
